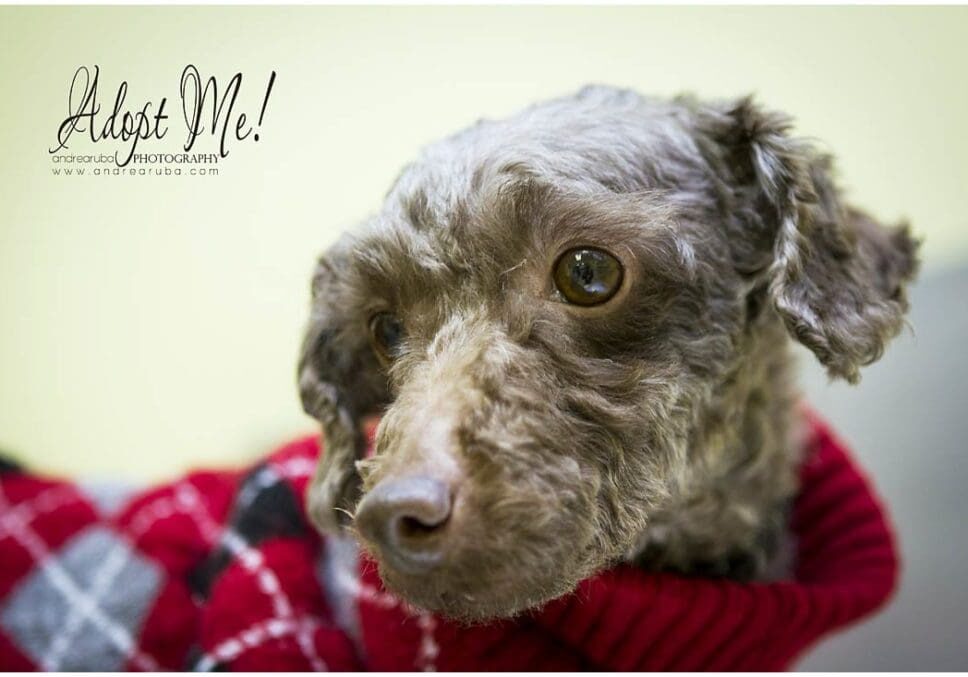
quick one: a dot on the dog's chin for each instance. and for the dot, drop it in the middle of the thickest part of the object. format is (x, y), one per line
(487, 600)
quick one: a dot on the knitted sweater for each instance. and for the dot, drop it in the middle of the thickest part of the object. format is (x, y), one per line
(221, 570)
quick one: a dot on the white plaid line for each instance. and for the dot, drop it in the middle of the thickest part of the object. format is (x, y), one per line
(150, 513)
(349, 582)
(253, 561)
(188, 499)
(264, 478)
(250, 558)
(429, 649)
(105, 575)
(253, 636)
(65, 584)
(45, 502)
(295, 468)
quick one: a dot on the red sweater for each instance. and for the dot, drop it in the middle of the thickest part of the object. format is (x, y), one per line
(222, 570)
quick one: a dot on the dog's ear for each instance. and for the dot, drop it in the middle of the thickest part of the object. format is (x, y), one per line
(835, 276)
(340, 382)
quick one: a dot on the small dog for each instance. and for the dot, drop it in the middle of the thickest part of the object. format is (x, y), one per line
(575, 324)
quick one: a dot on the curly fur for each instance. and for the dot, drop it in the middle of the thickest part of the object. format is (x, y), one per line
(658, 427)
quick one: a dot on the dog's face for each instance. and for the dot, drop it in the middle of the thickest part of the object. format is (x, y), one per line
(544, 310)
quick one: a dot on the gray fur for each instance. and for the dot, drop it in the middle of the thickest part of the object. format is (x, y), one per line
(658, 427)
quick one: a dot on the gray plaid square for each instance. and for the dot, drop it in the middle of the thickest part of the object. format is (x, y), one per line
(37, 612)
(107, 496)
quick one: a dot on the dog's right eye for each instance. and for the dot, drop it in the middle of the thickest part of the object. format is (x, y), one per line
(387, 333)
(588, 277)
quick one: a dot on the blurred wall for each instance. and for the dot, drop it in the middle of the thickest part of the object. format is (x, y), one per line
(151, 323)
(906, 424)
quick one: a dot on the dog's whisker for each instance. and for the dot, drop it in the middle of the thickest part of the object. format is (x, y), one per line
(513, 268)
(346, 512)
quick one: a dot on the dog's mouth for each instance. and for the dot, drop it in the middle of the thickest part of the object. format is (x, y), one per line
(477, 590)
(451, 593)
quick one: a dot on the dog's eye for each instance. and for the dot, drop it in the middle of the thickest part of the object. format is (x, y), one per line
(588, 277)
(387, 332)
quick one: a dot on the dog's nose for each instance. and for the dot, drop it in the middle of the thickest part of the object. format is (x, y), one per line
(405, 519)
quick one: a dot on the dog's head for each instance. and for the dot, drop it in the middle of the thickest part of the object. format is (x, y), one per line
(544, 309)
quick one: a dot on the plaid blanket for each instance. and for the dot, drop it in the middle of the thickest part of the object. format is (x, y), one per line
(221, 570)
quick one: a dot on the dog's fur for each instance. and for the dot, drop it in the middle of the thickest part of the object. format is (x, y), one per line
(659, 426)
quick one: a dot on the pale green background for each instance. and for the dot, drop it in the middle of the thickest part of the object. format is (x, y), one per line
(151, 323)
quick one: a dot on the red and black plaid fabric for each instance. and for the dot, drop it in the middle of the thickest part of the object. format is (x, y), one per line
(221, 570)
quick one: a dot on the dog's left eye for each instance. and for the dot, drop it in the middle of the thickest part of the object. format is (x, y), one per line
(387, 333)
(588, 277)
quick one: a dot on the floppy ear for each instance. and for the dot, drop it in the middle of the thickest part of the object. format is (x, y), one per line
(835, 276)
(340, 382)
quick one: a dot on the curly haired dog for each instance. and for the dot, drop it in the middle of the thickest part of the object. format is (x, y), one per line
(575, 324)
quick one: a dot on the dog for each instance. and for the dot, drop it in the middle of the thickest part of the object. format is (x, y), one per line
(576, 326)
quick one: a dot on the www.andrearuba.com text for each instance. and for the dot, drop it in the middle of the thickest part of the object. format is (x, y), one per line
(140, 164)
